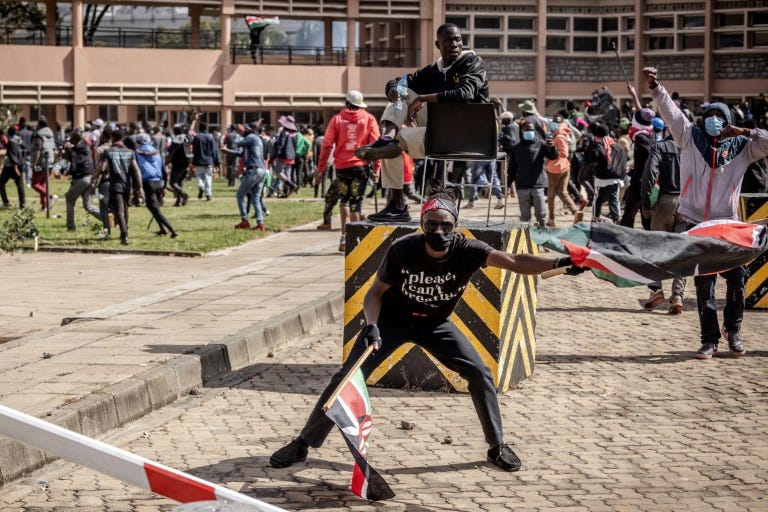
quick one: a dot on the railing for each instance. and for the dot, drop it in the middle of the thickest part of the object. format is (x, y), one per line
(115, 37)
(292, 55)
(319, 55)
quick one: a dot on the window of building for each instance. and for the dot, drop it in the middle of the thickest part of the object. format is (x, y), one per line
(487, 43)
(514, 23)
(695, 21)
(610, 24)
(69, 111)
(661, 43)
(730, 40)
(585, 44)
(629, 43)
(758, 18)
(464, 40)
(585, 24)
(108, 112)
(211, 119)
(557, 23)
(559, 44)
(661, 22)
(36, 112)
(606, 44)
(629, 23)
(759, 39)
(735, 19)
(482, 22)
(146, 113)
(459, 21)
(520, 43)
(692, 42)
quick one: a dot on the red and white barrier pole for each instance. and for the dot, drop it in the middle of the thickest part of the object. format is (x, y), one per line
(120, 464)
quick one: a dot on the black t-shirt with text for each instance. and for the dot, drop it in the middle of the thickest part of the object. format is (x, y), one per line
(425, 286)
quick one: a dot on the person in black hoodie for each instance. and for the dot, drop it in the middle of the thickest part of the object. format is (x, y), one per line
(528, 172)
(81, 171)
(458, 76)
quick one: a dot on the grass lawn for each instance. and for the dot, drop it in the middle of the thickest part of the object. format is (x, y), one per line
(203, 226)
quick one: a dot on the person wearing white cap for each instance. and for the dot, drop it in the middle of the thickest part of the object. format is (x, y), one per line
(95, 134)
(347, 130)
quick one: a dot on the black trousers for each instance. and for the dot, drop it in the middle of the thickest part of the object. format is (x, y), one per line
(445, 342)
(118, 205)
(8, 173)
(178, 175)
(153, 197)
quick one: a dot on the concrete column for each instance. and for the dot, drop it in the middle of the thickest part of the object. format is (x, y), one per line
(194, 22)
(328, 34)
(225, 25)
(50, 22)
(541, 57)
(351, 43)
(709, 46)
(640, 45)
(226, 117)
(77, 23)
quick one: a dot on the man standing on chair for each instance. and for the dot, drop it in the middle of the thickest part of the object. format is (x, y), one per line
(458, 76)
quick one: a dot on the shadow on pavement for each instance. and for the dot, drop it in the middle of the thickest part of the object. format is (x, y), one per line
(666, 358)
(257, 469)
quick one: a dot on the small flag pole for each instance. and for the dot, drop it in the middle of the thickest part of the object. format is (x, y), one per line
(348, 377)
(554, 272)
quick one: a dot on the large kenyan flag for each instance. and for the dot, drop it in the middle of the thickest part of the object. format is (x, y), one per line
(352, 414)
(630, 257)
(260, 22)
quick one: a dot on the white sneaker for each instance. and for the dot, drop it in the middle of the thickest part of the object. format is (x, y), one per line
(499, 204)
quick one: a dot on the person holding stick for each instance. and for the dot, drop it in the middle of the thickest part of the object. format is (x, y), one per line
(416, 288)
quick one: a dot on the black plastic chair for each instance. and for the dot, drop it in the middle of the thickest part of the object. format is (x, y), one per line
(464, 132)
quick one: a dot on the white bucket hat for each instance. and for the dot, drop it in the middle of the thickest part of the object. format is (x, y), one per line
(356, 98)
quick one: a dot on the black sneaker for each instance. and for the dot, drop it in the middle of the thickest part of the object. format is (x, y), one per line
(706, 351)
(735, 343)
(504, 458)
(199, 193)
(295, 451)
(381, 149)
(391, 214)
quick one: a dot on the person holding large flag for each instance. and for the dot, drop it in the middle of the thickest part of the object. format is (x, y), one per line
(417, 286)
(713, 162)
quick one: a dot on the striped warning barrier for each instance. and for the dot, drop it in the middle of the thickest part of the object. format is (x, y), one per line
(120, 464)
(496, 312)
(753, 208)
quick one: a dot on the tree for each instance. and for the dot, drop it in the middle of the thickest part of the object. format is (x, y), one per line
(91, 20)
(18, 15)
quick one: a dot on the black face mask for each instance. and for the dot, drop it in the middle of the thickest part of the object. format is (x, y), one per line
(438, 242)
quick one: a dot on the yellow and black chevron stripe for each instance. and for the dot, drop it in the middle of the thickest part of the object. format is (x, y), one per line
(752, 208)
(496, 312)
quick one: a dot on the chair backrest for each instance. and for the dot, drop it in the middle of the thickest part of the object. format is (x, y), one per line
(461, 130)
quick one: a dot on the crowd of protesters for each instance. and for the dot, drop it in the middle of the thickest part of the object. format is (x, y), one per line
(588, 154)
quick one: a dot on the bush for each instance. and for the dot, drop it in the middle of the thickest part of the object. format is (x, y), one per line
(21, 226)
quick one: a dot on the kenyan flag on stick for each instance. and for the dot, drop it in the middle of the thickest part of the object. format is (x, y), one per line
(260, 22)
(351, 411)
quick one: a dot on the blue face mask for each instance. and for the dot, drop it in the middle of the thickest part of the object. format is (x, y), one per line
(553, 126)
(714, 126)
(529, 135)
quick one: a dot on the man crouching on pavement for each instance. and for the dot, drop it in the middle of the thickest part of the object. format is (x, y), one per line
(397, 310)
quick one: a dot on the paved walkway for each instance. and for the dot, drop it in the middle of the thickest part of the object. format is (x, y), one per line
(617, 416)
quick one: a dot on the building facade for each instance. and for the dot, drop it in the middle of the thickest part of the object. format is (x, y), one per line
(549, 50)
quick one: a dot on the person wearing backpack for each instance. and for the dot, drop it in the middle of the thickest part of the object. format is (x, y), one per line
(43, 156)
(179, 164)
(659, 197)
(610, 167)
(13, 167)
(284, 153)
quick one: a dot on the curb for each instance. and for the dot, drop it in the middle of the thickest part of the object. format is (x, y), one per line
(132, 398)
